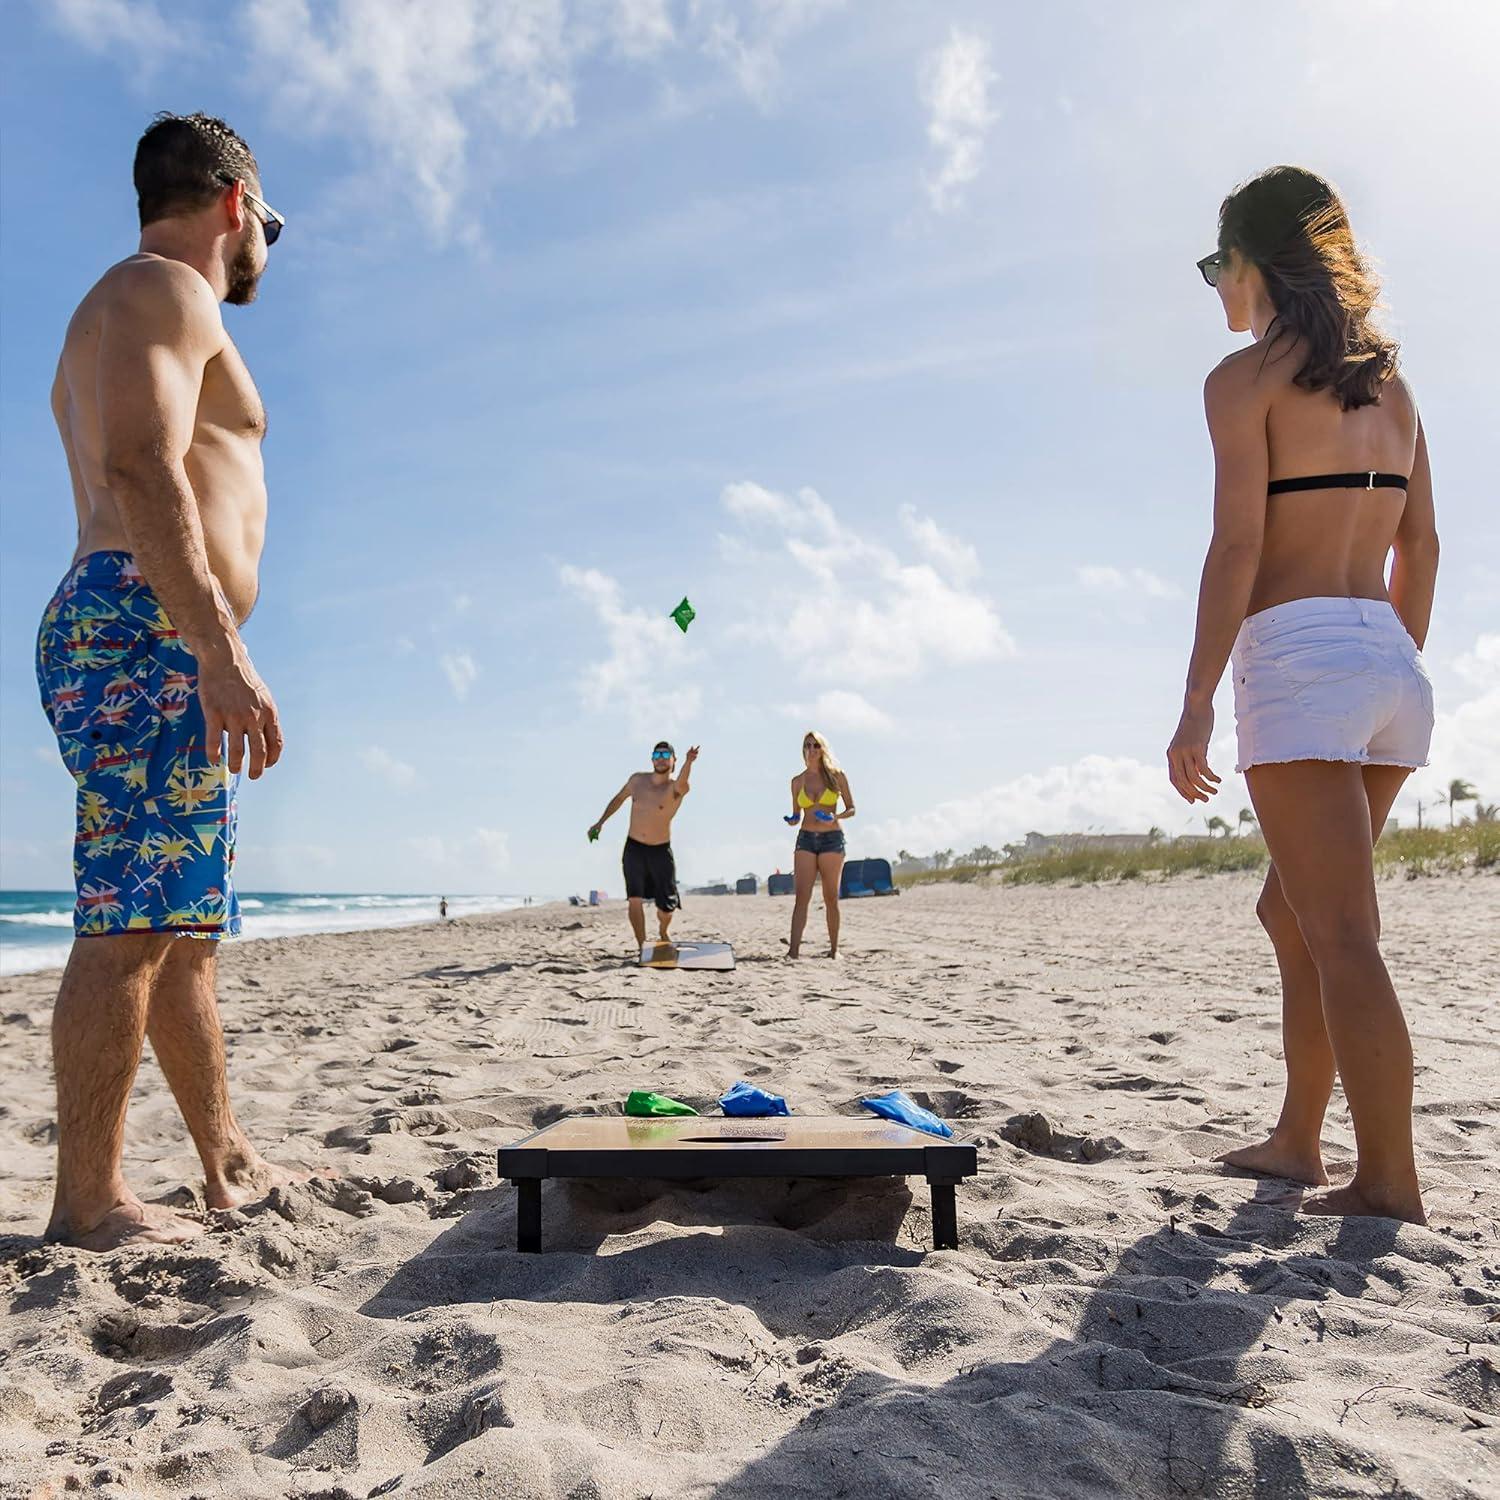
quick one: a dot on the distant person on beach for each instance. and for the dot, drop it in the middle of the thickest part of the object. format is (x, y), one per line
(443, 909)
(816, 792)
(649, 866)
(143, 673)
(1322, 473)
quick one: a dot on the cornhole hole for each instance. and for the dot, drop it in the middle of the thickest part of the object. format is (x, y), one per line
(687, 956)
(781, 1146)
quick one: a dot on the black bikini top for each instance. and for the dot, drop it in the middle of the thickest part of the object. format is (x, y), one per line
(1368, 480)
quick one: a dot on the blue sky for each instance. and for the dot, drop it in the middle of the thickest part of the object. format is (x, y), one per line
(872, 328)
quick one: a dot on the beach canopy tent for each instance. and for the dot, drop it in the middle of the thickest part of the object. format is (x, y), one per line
(780, 885)
(704, 1147)
(878, 877)
(746, 885)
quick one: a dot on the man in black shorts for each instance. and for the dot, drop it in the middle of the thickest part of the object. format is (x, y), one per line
(650, 870)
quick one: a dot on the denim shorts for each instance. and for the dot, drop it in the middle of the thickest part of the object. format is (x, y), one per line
(1330, 679)
(809, 842)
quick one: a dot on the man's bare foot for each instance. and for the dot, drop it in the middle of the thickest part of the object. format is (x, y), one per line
(250, 1178)
(129, 1222)
(1270, 1158)
(1369, 1203)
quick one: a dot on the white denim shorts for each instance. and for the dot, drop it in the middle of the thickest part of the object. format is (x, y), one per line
(1330, 679)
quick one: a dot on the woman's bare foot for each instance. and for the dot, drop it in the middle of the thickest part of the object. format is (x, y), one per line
(1272, 1158)
(129, 1222)
(248, 1178)
(1370, 1203)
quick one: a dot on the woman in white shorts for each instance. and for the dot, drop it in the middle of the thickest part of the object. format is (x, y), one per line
(1321, 473)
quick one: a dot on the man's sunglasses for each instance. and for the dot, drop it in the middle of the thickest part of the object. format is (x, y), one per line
(1212, 267)
(270, 221)
(661, 755)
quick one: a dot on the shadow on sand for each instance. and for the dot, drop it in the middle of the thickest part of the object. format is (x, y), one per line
(1144, 1394)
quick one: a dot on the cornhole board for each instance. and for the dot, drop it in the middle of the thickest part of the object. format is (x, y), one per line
(713, 1147)
(686, 956)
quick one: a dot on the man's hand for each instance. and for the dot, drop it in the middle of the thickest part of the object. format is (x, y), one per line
(690, 757)
(594, 832)
(237, 703)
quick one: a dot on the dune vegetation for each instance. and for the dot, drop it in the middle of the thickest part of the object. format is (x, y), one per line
(1409, 852)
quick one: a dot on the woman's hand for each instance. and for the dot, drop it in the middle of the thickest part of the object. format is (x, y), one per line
(792, 818)
(1187, 755)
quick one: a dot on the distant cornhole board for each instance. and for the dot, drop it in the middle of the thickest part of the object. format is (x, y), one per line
(687, 956)
(699, 1146)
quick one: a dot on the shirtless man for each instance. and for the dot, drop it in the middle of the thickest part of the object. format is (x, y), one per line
(650, 870)
(143, 673)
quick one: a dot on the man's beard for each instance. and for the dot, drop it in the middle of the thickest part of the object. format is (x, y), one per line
(244, 279)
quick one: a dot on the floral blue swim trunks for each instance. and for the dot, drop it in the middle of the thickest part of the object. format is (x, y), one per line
(154, 846)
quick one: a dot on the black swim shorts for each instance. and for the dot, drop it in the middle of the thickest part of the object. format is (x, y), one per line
(651, 874)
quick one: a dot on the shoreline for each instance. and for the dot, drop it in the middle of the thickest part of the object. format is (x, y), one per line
(57, 953)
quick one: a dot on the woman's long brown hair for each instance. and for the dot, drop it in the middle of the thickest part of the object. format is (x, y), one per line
(1293, 226)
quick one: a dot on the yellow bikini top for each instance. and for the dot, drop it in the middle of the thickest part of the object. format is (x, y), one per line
(830, 798)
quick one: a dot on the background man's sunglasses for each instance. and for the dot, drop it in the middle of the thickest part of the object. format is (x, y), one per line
(270, 221)
(1211, 266)
(661, 755)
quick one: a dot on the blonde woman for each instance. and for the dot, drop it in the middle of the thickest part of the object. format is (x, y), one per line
(816, 793)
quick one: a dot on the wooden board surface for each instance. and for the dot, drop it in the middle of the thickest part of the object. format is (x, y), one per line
(686, 1132)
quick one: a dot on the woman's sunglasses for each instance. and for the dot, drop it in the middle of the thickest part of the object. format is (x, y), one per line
(1212, 266)
(271, 222)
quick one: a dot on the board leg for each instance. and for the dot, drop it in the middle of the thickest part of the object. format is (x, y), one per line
(529, 1214)
(944, 1216)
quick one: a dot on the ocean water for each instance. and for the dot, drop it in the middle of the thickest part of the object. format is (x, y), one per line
(36, 927)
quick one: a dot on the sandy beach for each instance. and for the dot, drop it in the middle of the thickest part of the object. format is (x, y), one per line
(1123, 1316)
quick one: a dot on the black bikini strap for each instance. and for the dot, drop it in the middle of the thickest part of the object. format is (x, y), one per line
(1368, 480)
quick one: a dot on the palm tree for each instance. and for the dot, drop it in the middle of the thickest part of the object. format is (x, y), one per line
(1154, 835)
(1486, 812)
(904, 856)
(1246, 816)
(1458, 791)
(941, 859)
(981, 854)
(1216, 824)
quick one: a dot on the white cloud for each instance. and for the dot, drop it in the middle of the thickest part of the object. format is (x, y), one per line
(839, 709)
(1098, 793)
(748, 36)
(949, 555)
(493, 847)
(114, 26)
(641, 676)
(870, 615)
(1140, 581)
(411, 84)
(461, 670)
(956, 83)
(414, 87)
(1466, 738)
(396, 773)
(461, 861)
(639, 28)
